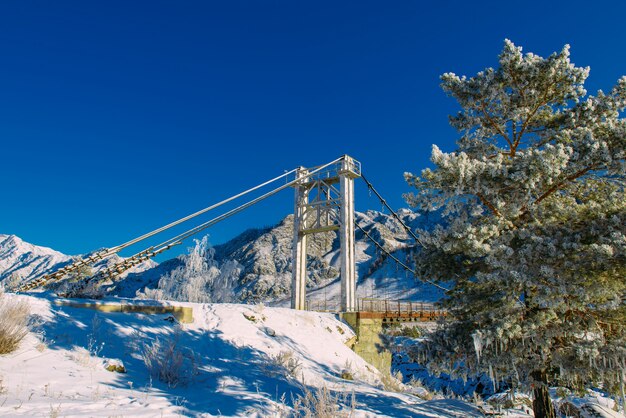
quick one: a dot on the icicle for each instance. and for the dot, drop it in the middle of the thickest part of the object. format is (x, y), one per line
(493, 380)
(478, 344)
(497, 379)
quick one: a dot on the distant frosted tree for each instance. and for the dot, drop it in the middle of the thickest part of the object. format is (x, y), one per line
(12, 282)
(75, 285)
(199, 279)
(223, 289)
(533, 240)
(192, 281)
(82, 273)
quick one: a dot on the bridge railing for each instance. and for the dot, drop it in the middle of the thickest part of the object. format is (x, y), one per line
(322, 306)
(392, 307)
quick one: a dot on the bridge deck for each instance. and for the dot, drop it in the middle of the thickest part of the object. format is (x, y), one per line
(416, 316)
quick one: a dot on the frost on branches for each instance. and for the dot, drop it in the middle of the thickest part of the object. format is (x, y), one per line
(534, 237)
(199, 279)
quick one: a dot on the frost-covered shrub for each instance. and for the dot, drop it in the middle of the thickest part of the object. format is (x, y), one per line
(85, 358)
(85, 290)
(322, 403)
(153, 294)
(285, 363)
(167, 361)
(14, 316)
(392, 382)
(347, 373)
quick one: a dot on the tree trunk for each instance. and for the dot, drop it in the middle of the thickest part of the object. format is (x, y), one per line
(542, 404)
(621, 388)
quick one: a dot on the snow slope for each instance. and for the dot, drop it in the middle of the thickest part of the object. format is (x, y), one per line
(53, 373)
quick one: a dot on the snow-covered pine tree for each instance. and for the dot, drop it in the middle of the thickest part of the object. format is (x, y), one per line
(534, 240)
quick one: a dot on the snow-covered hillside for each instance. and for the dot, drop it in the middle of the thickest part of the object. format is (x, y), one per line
(233, 357)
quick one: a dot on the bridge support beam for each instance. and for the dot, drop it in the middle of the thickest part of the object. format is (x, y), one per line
(347, 174)
(298, 274)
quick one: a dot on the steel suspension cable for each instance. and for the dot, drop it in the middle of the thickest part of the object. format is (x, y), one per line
(200, 212)
(407, 268)
(171, 242)
(238, 209)
(107, 252)
(157, 249)
(395, 215)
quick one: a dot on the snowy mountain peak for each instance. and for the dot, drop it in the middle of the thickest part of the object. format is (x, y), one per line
(20, 260)
(13, 242)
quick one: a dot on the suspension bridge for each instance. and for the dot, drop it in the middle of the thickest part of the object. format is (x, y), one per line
(323, 201)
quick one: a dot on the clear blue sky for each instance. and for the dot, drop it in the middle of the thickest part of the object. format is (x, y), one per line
(118, 117)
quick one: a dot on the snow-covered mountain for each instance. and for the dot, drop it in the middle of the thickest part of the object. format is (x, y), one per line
(21, 261)
(256, 266)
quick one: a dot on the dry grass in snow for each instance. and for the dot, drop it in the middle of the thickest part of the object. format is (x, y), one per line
(14, 324)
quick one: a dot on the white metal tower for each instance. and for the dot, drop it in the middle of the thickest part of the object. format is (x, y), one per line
(317, 202)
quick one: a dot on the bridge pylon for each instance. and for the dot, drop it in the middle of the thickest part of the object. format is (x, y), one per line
(321, 207)
(298, 271)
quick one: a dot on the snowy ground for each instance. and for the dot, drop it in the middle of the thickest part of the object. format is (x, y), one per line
(232, 349)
